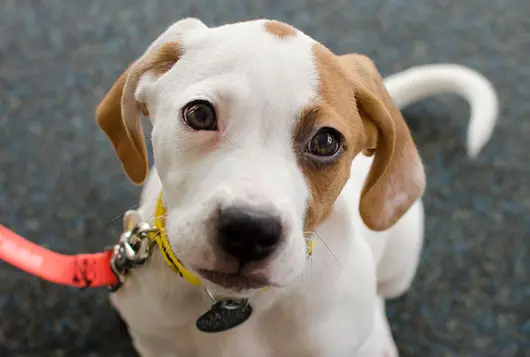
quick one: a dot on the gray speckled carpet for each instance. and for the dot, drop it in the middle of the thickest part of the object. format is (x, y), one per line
(61, 185)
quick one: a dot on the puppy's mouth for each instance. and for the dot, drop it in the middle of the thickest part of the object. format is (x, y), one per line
(234, 281)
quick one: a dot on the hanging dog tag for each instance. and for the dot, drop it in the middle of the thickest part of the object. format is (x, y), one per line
(224, 315)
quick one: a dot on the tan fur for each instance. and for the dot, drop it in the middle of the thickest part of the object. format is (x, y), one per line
(352, 99)
(334, 108)
(280, 29)
(118, 114)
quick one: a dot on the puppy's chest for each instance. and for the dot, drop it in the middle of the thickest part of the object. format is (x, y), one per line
(161, 313)
(248, 340)
(171, 332)
(251, 339)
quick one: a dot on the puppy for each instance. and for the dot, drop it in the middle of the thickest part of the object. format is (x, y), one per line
(264, 139)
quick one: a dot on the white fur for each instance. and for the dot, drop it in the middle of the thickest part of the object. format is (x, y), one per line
(329, 306)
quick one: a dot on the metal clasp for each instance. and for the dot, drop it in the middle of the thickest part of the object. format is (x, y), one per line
(133, 248)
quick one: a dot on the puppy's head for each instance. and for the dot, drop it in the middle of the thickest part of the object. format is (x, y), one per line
(255, 126)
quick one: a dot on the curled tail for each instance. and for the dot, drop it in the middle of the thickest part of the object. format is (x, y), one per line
(419, 82)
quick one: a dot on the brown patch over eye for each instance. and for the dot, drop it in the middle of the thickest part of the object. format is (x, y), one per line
(334, 127)
(320, 149)
(280, 29)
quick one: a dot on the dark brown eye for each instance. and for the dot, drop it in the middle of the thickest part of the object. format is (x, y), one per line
(200, 115)
(325, 143)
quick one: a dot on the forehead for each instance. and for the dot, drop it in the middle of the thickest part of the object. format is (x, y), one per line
(260, 62)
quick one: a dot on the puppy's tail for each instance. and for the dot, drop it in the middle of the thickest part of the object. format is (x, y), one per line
(419, 82)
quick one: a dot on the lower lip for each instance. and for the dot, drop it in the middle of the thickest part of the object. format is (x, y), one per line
(234, 281)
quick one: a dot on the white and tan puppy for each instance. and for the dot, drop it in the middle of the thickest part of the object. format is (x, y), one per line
(262, 138)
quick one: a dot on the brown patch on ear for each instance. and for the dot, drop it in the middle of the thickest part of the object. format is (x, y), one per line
(129, 150)
(353, 100)
(396, 179)
(164, 58)
(119, 114)
(280, 29)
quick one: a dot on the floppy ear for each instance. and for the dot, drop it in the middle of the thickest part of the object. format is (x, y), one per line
(396, 179)
(119, 113)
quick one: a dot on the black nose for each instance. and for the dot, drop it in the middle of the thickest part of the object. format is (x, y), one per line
(247, 233)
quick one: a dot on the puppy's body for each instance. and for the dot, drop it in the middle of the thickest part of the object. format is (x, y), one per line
(274, 89)
(331, 310)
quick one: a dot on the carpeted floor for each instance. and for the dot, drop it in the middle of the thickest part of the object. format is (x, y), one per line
(61, 185)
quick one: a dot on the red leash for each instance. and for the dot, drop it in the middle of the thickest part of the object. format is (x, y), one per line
(80, 270)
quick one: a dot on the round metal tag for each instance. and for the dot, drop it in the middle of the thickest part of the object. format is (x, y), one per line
(224, 315)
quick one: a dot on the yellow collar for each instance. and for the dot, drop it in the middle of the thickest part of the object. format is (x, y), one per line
(160, 237)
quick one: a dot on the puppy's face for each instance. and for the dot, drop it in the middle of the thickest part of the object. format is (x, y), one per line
(255, 126)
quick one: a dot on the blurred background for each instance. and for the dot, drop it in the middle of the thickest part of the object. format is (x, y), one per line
(62, 186)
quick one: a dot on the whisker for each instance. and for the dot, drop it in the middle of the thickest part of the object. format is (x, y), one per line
(132, 208)
(165, 215)
(327, 246)
(122, 214)
(154, 216)
(328, 272)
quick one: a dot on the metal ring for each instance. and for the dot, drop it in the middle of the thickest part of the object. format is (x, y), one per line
(233, 304)
(210, 294)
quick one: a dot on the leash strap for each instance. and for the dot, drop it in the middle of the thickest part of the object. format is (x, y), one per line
(81, 270)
